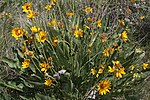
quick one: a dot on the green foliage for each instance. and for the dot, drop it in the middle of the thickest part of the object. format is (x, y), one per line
(59, 65)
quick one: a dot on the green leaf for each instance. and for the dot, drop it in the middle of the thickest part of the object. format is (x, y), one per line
(27, 83)
(11, 85)
(71, 85)
(20, 86)
(43, 97)
(11, 63)
(32, 67)
(35, 83)
(18, 54)
(23, 98)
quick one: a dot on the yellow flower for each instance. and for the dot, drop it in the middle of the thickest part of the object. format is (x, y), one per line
(136, 75)
(36, 13)
(48, 7)
(91, 33)
(17, 32)
(104, 38)
(142, 17)
(133, 1)
(54, 41)
(119, 72)
(34, 29)
(78, 33)
(124, 36)
(104, 86)
(132, 67)
(44, 67)
(106, 53)
(100, 71)
(97, 75)
(30, 15)
(75, 27)
(69, 14)
(53, 2)
(31, 54)
(88, 10)
(99, 23)
(121, 22)
(93, 71)
(144, 65)
(111, 50)
(26, 7)
(50, 58)
(3, 14)
(52, 23)
(24, 51)
(9, 15)
(118, 68)
(102, 66)
(30, 39)
(119, 48)
(115, 44)
(48, 82)
(89, 19)
(86, 27)
(116, 64)
(26, 63)
(60, 24)
(129, 11)
(111, 70)
(42, 36)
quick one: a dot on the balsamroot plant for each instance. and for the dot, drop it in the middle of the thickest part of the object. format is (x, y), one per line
(73, 50)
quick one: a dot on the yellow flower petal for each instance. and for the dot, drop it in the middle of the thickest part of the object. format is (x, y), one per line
(26, 63)
(42, 36)
(145, 66)
(48, 82)
(124, 36)
(93, 71)
(104, 86)
(27, 7)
